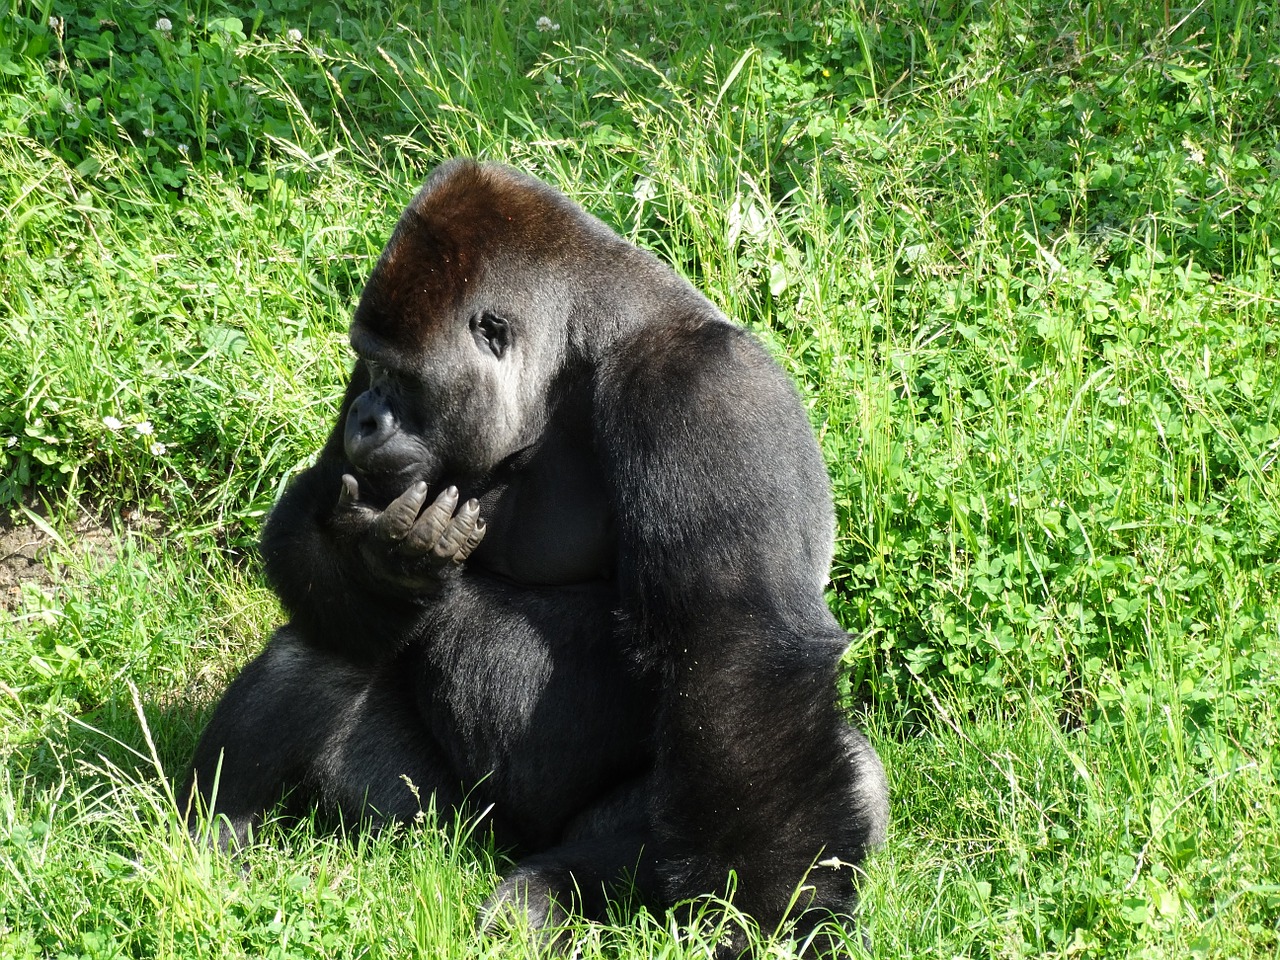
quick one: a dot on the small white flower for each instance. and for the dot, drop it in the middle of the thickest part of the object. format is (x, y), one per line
(545, 25)
(111, 423)
(144, 428)
(11, 441)
(164, 25)
(55, 24)
(148, 132)
(294, 35)
(157, 448)
(183, 149)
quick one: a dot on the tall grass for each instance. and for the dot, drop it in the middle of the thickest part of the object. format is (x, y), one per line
(1022, 260)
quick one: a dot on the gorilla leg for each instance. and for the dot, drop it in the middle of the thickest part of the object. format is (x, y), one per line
(603, 855)
(300, 717)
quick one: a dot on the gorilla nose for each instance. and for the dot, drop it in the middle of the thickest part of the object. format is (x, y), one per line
(370, 423)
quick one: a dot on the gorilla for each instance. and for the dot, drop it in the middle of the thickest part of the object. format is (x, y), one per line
(561, 559)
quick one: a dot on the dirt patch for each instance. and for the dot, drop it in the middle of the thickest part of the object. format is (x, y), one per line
(24, 548)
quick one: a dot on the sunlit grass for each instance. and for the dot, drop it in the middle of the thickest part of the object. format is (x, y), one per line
(1020, 259)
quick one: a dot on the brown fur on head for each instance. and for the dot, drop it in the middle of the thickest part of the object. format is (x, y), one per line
(468, 221)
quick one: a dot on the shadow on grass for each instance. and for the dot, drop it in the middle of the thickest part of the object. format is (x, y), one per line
(124, 740)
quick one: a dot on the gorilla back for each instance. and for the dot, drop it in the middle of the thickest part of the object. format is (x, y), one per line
(562, 556)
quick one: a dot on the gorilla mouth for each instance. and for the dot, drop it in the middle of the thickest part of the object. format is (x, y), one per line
(380, 486)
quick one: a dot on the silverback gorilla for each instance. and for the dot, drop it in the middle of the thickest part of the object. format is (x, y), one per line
(562, 558)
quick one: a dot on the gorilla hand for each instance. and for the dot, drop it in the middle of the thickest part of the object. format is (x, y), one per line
(404, 547)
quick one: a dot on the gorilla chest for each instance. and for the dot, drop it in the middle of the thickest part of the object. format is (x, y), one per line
(549, 519)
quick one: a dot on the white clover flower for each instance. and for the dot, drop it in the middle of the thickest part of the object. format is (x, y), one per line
(144, 428)
(545, 25)
(111, 423)
(294, 35)
(157, 449)
(164, 25)
(148, 132)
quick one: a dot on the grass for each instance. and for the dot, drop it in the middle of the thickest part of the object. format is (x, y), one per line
(1022, 259)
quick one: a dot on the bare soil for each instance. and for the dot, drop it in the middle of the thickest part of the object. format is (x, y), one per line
(23, 549)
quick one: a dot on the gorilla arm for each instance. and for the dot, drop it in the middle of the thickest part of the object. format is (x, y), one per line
(725, 530)
(355, 579)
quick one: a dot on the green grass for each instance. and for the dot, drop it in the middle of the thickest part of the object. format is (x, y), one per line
(1022, 258)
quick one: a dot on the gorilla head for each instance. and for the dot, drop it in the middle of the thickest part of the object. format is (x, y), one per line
(463, 328)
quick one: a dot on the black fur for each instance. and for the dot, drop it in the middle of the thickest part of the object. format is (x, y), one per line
(634, 666)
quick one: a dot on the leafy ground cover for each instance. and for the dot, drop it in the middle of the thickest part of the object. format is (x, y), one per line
(1022, 258)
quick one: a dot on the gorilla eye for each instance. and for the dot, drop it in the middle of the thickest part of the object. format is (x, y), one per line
(492, 332)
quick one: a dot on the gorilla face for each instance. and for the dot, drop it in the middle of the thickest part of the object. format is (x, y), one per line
(453, 387)
(447, 417)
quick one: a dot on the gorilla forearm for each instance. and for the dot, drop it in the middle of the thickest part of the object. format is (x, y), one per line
(773, 719)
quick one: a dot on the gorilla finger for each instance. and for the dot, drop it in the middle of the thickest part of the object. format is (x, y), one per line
(473, 541)
(350, 507)
(428, 528)
(398, 519)
(460, 530)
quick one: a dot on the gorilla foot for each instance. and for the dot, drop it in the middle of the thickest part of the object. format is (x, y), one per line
(531, 903)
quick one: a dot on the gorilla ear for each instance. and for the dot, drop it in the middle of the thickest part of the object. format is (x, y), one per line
(492, 332)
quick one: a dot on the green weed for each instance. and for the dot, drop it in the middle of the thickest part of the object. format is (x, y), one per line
(1022, 260)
